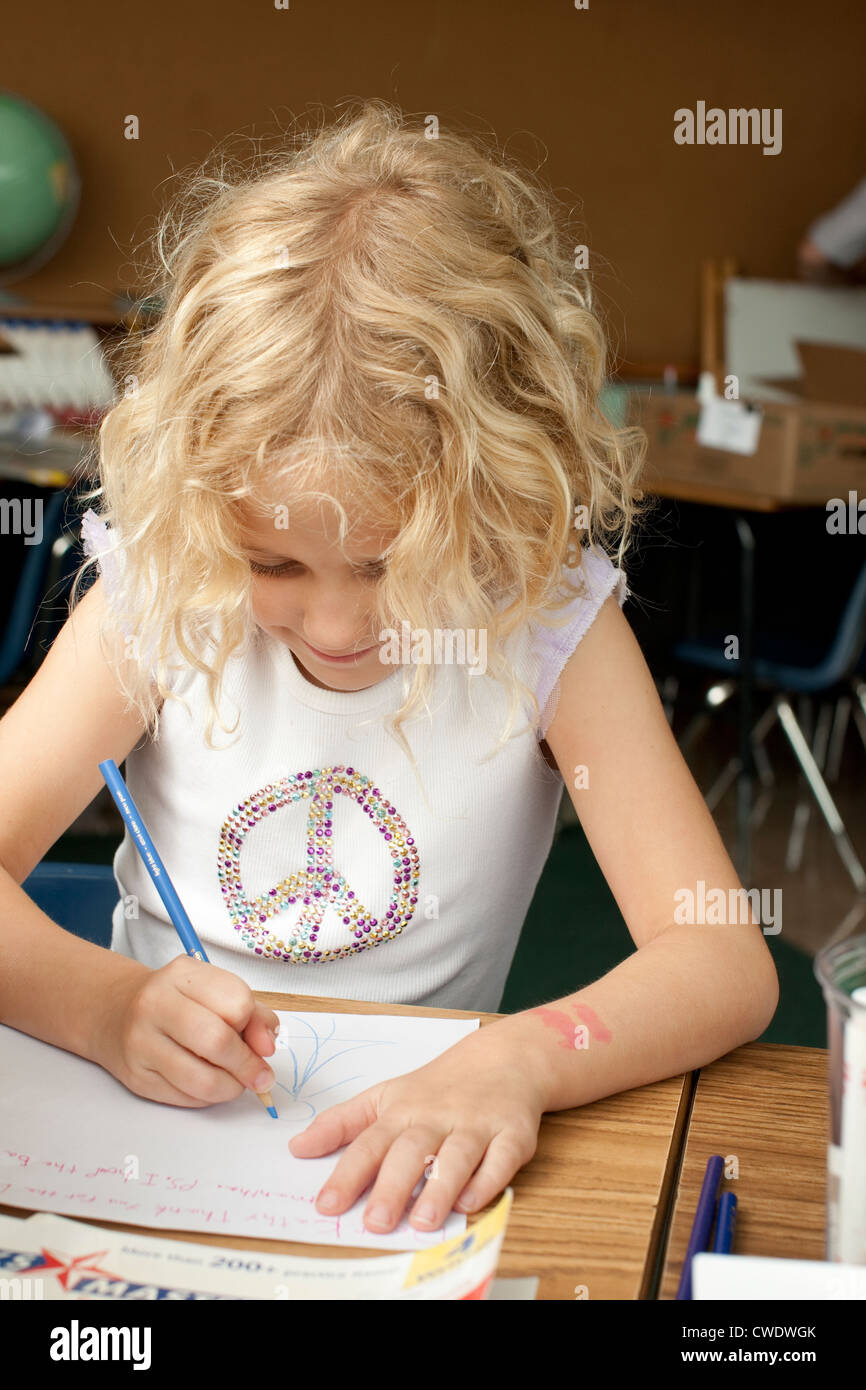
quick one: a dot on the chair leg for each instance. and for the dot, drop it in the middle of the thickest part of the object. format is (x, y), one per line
(764, 769)
(723, 783)
(731, 770)
(695, 729)
(820, 791)
(759, 735)
(837, 737)
(849, 923)
(827, 747)
(803, 809)
(700, 722)
(859, 688)
(668, 690)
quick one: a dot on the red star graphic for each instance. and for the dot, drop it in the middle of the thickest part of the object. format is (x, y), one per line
(65, 1266)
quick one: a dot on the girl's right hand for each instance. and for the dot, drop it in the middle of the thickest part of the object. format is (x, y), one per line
(186, 1034)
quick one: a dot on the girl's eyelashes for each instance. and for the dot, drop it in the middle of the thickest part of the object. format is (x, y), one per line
(271, 569)
(373, 571)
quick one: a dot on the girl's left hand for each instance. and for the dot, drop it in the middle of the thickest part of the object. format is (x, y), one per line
(469, 1119)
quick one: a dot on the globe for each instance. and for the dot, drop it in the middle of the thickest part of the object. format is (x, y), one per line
(39, 187)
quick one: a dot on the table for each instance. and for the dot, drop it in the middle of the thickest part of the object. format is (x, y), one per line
(590, 1209)
(768, 1106)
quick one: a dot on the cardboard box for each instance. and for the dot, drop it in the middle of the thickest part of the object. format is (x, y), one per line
(829, 374)
(808, 450)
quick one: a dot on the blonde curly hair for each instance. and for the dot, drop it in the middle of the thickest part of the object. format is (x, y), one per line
(397, 312)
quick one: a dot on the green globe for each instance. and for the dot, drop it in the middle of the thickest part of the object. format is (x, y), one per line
(39, 185)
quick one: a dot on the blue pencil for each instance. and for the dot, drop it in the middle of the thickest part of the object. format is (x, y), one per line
(725, 1220)
(703, 1222)
(125, 804)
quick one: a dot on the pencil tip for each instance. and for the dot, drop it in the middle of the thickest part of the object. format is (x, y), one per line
(272, 1111)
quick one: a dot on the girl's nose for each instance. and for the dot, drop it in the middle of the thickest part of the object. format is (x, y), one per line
(338, 633)
(336, 616)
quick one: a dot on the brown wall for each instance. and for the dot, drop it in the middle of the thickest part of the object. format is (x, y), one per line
(588, 94)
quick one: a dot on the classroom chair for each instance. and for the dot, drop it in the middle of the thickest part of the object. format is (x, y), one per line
(79, 897)
(832, 679)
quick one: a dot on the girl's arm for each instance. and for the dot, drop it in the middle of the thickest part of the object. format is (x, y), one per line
(189, 1033)
(689, 994)
(692, 991)
(70, 716)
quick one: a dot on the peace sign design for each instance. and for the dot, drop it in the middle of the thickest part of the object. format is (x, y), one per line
(318, 885)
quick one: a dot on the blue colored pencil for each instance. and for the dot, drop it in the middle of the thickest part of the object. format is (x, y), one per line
(725, 1221)
(125, 804)
(703, 1222)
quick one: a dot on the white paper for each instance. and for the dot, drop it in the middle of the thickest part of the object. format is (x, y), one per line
(730, 425)
(754, 1277)
(74, 1140)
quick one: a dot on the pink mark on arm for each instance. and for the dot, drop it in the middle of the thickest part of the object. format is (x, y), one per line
(597, 1031)
(561, 1022)
(566, 1026)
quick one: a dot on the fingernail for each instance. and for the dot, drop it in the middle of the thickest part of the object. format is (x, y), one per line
(378, 1216)
(427, 1214)
(264, 1080)
(468, 1200)
(328, 1200)
(275, 1028)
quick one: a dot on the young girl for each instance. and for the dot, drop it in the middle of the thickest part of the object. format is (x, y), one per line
(353, 627)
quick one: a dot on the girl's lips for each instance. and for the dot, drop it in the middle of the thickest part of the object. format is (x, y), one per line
(339, 660)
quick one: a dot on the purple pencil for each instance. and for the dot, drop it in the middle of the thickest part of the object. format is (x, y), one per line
(703, 1222)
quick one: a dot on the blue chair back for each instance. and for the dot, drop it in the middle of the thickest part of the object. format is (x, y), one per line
(847, 650)
(79, 897)
(797, 673)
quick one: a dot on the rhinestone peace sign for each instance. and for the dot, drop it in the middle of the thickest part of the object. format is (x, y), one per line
(318, 885)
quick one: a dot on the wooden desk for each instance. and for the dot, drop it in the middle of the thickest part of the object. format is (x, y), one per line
(589, 1209)
(709, 494)
(769, 1107)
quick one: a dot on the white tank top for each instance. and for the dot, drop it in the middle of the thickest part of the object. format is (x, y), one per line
(305, 852)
